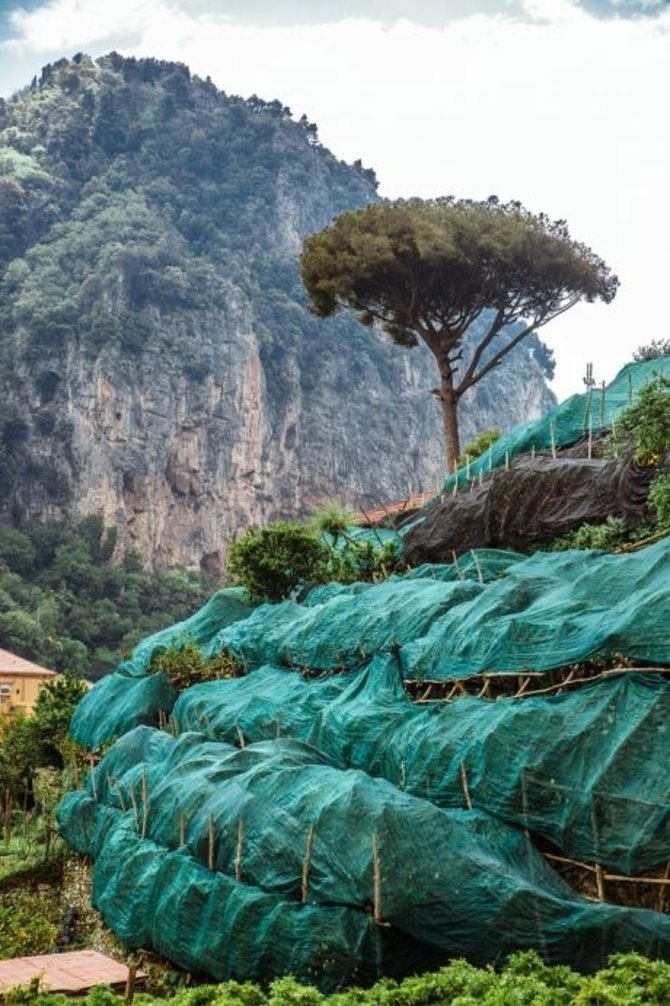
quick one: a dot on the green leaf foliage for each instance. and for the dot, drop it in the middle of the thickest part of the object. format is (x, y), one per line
(186, 666)
(65, 604)
(644, 427)
(272, 562)
(629, 980)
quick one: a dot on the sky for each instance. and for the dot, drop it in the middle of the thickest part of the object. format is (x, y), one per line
(561, 104)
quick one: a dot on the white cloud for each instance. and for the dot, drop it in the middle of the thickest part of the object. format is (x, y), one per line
(559, 109)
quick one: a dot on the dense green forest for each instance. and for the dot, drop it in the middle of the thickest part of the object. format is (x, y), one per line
(66, 605)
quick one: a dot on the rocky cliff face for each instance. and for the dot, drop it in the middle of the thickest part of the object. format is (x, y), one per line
(158, 364)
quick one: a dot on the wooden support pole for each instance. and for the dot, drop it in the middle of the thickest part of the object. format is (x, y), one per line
(238, 854)
(117, 787)
(145, 803)
(94, 788)
(133, 802)
(466, 788)
(377, 879)
(129, 993)
(307, 863)
(211, 844)
(475, 559)
(600, 883)
(241, 737)
(663, 890)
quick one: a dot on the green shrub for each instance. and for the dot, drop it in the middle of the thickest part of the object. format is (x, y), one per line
(644, 427)
(28, 924)
(629, 980)
(610, 534)
(659, 500)
(481, 443)
(186, 666)
(272, 562)
(361, 561)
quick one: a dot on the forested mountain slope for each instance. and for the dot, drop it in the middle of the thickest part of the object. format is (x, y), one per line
(158, 366)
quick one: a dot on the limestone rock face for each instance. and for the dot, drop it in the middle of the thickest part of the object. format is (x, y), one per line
(159, 364)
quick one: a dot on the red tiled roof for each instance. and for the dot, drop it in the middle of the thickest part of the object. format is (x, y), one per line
(18, 667)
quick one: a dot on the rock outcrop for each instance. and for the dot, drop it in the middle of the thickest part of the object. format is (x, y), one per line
(158, 363)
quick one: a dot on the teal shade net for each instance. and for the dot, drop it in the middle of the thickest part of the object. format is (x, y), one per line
(569, 421)
(299, 861)
(587, 769)
(129, 696)
(495, 613)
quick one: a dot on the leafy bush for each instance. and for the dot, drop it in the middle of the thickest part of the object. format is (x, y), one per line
(186, 666)
(272, 562)
(477, 446)
(361, 561)
(629, 980)
(644, 427)
(610, 534)
(28, 924)
(659, 500)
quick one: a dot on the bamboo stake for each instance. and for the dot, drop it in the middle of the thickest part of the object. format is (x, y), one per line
(459, 571)
(475, 559)
(377, 878)
(662, 892)
(133, 801)
(211, 844)
(506, 461)
(466, 788)
(602, 405)
(238, 854)
(115, 785)
(600, 886)
(129, 993)
(307, 863)
(94, 788)
(590, 441)
(467, 467)
(403, 776)
(532, 452)
(490, 457)
(145, 803)
(241, 737)
(552, 432)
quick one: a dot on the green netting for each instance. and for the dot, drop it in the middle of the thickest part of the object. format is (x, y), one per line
(290, 827)
(128, 696)
(211, 924)
(541, 612)
(588, 770)
(568, 422)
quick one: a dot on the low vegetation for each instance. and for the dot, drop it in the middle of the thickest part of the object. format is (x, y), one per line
(629, 980)
(185, 666)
